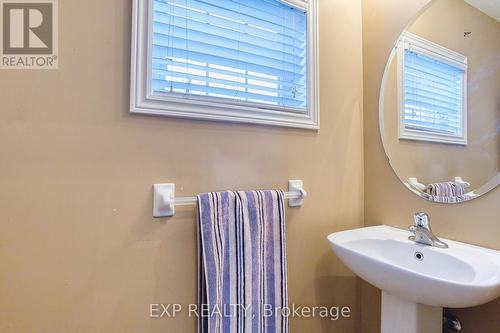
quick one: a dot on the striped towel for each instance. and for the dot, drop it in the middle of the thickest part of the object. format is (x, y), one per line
(446, 189)
(447, 192)
(458, 198)
(242, 279)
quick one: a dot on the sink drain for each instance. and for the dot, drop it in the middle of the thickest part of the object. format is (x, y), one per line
(419, 256)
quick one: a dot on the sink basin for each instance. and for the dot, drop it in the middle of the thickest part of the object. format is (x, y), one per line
(459, 276)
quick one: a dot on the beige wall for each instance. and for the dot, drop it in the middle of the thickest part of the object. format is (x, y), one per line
(389, 202)
(479, 161)
(79, 249)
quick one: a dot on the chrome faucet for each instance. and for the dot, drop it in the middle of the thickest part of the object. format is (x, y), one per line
(422, 232)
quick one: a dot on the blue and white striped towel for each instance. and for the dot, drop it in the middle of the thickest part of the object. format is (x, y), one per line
(447, 192)
(242, 269)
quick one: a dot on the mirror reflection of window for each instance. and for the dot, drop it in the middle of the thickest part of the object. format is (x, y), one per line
(432, 92)
(440, 103)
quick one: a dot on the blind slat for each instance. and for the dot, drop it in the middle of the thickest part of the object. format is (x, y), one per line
(412, 109)
(222, 60)
(273, 44)
(162, 85)
(171, 75)
(419, 61)
(163, 64)
(433, 94)
(433, 127)
(433, 124)
(430, 117)
(216, 12)
(228, 53)
(181, 36)
(214, 21)
(419, 101)
(427, 74)
(418, 96)
(410, 80)
(243, 50)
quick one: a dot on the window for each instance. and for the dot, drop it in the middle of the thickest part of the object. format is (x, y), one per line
(432, 84)
(236, 60)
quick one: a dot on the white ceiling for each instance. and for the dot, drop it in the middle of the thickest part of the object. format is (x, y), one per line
(489, 7)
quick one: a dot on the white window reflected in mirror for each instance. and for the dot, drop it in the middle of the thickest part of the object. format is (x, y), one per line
(432, 92)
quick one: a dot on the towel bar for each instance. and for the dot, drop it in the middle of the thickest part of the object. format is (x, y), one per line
(164, 200)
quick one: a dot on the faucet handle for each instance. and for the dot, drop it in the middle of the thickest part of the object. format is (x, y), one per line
(422, 220)
(422, 232)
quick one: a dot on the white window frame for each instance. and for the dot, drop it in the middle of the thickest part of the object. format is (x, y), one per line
(438, 52)
(143, 101)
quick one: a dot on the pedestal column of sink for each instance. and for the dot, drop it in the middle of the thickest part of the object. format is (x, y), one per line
(399, 315)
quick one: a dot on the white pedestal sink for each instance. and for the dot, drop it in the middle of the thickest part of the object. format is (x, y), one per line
(417, 280)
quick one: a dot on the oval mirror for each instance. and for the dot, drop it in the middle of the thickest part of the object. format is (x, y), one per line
(440, 101)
